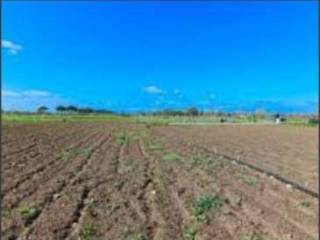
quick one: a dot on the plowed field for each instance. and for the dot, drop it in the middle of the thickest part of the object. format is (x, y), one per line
(132, 182)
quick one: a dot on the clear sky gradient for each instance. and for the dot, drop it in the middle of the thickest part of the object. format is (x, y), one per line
(151, 55)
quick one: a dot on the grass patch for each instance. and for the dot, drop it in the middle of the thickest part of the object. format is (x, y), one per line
(151, 121)
(171, 157)
(137, 236)
(6, 213)
(200, 120)
(204, 204)
(87, 232)
(155, 146)
(304, 204)
(255, 236)
(72, 153)
(122, 138)
(29, 213)
(37, 118)
(249, 180)
(244, 176)
(126, 165)
(190, 233)
(207, 163)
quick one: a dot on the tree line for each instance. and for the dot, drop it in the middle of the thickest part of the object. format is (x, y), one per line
(73, 109)
(192, 111)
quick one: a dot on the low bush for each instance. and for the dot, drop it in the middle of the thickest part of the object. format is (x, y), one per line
(203, 204)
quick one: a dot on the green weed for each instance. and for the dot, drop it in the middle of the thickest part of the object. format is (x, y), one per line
(38, 118)
(206, 163)
(126, 165)
(6, 213)
(72, 153)
(304, 204)
(87, 232)
(171, 157)
(29, 213)
(155, 147)
(250, 180)
(255, 236)
(122, 138)
(190, 233)
(204, 204)
(137, 236)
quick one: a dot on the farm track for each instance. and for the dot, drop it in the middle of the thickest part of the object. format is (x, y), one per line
(126, 181)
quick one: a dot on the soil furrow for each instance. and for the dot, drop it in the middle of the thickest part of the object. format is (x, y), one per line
(51, 195)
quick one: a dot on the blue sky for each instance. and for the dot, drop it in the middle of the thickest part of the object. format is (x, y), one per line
(151, 55)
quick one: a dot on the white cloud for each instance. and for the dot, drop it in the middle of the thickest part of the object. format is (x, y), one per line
(36, 93)
(12, 47)
(27, 93)
(31, 99)
(153, 90)
(10, 94)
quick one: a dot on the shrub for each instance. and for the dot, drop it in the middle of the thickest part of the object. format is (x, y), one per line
(190, 233)
(87, 232)
(203, 204)
(313, 121)
(171, 157)
(192, 112)
(255, 236)
(122, 138)
(29, 213)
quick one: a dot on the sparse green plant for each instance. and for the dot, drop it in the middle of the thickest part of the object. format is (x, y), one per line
(304, 204)
(87, 232)
(171, 157)
(5, 213)
(9, 234)
(203, 204)
(190, 233)
(42, 109)
(122, 138)
(137, 236)
(160, 175)
(313, 122)
(155, 146)
(126, 165)
(250, 180)
(29, 213)
(206, 163)
(254, 236)
(72, 153)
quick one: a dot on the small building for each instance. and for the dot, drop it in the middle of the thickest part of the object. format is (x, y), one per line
(277, 119)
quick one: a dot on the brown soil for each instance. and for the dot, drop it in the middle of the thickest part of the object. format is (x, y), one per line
(290, 151)
(125, 181)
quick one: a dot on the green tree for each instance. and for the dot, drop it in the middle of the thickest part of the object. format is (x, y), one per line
(85, 110)
(71, 108)
(192, 111)
(42, 109)
(60, 108)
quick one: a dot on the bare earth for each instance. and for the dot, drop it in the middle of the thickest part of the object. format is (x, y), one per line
(290, 151)
(126, 181)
